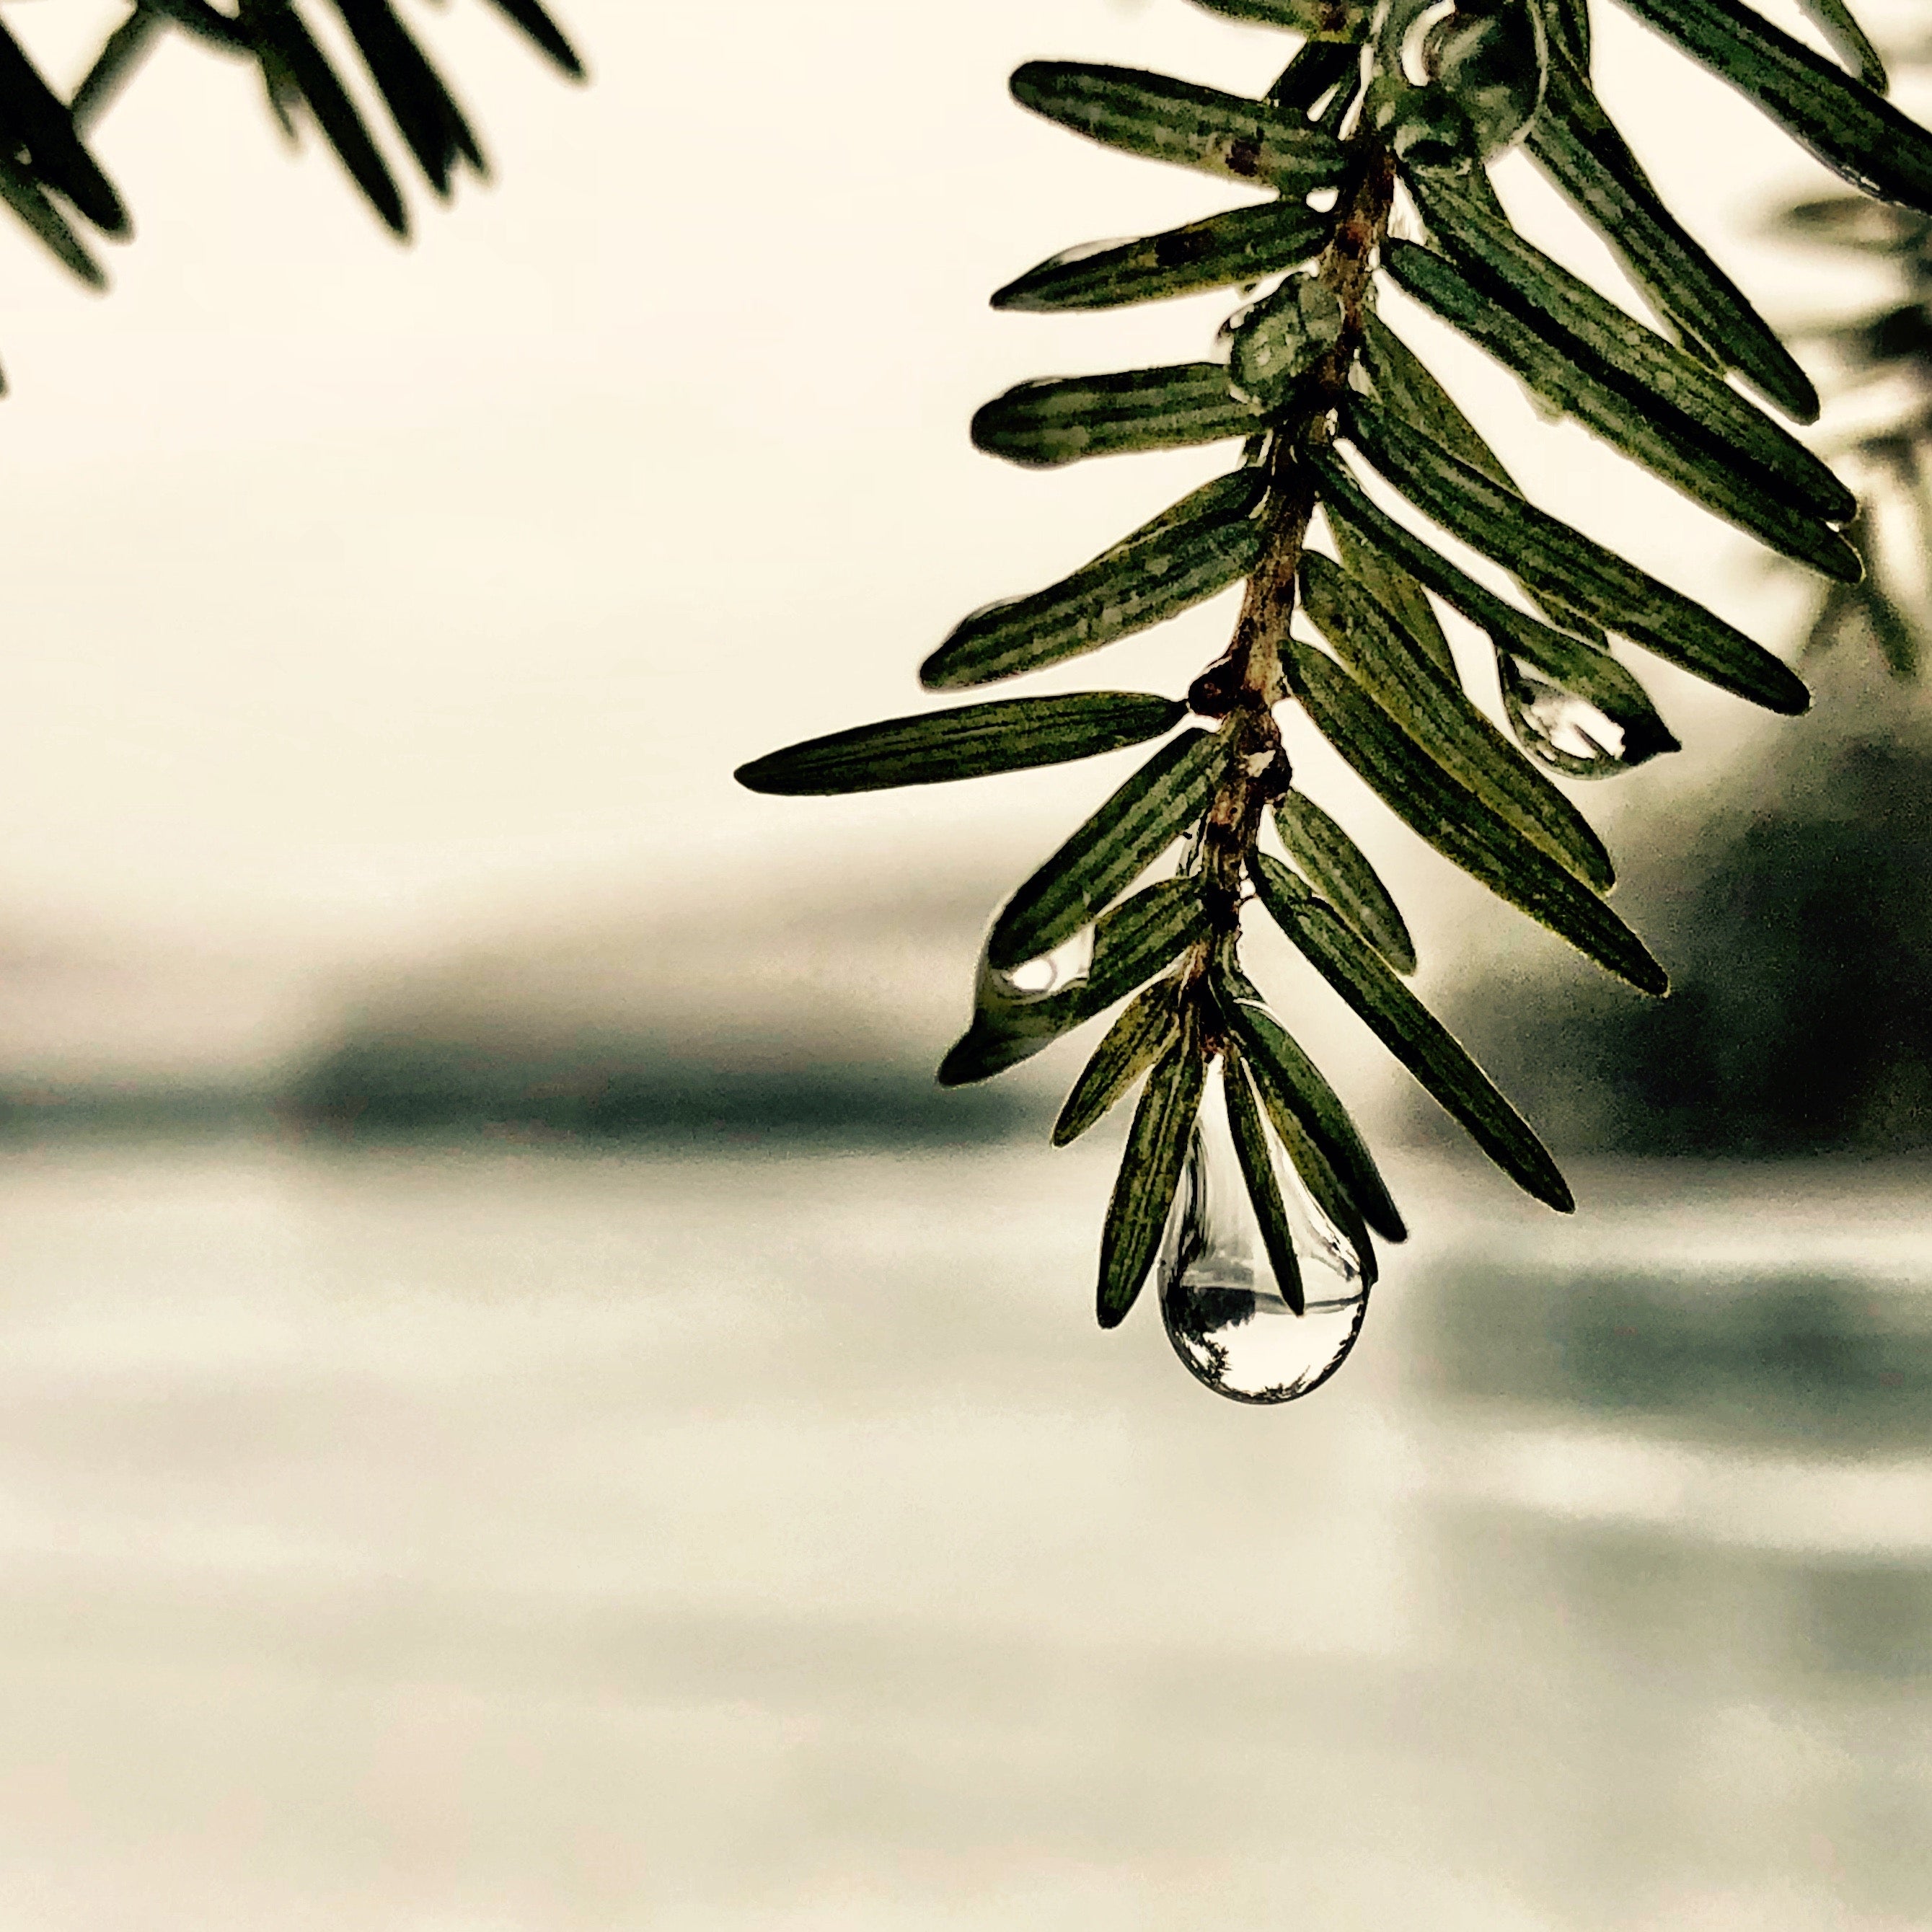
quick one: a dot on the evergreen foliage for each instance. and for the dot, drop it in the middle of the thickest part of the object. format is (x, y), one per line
(50, 179)
(1388, 110)
(1883, 350)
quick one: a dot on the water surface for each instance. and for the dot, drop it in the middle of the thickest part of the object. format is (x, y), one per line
(515, 1539)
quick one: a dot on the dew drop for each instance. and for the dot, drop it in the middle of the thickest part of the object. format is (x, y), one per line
(1574, 725)
(1495, 63)
(1414, 56)
(1084, 251)
(1281, 338)
(1566, 732)
(1052, 973)
(1227, 1321)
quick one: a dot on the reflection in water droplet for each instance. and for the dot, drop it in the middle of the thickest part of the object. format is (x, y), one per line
(1052, 973)
(1224, 1316)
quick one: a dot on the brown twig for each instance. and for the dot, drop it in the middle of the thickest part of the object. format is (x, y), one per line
(1245, 684)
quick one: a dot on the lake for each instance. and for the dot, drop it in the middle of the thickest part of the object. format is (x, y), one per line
(511, 1539)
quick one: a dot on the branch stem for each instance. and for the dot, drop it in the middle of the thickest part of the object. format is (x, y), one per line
(1243, 686)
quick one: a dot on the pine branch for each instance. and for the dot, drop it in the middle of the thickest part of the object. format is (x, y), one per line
(53, 183)
(1242, 1172)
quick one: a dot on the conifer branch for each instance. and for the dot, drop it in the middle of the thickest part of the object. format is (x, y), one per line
(51, 179)
(1419, 95)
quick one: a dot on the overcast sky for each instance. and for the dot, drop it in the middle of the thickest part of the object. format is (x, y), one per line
(354, 591)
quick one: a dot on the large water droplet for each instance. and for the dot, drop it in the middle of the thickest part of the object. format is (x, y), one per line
(1225, 1315)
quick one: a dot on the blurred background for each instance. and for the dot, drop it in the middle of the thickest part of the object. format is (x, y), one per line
(522, 1409)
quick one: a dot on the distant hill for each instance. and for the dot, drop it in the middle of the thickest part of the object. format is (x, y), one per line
(771, 997)
(747, 1017)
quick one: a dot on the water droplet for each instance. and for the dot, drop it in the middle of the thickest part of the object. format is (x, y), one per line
(1227, 1319)
(1281, 338)
(1422, 19)
(1084, 251)
(1566, 732)
(1052, 973)
(1490, 59)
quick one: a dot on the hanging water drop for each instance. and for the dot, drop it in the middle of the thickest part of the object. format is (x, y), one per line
(1052, 973)
(1495, 61)
(1226, 1314)
(1566, 732)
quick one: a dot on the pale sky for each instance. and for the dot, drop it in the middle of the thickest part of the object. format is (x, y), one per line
(355, 593)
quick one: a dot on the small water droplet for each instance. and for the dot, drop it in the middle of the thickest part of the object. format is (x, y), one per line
(1052, 973)
(1495, 61)
(1084, 251)
(1566, 732)
(1279, 339)
(1418, 69)
(1226, 1316)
